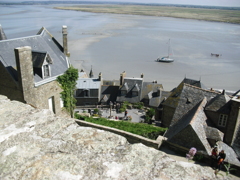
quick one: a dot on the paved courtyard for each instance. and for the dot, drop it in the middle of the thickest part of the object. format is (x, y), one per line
(135, 114)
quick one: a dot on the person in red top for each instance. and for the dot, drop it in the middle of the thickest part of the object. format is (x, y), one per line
(214, 156)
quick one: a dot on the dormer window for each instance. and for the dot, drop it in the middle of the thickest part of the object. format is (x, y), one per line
(135, 90)
(41, 64)
(124, 89)
(134, 93)
(123, 92)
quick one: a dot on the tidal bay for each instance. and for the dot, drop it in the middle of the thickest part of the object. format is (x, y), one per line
(113, 43)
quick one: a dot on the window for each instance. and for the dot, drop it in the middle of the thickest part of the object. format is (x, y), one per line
(134, 93)
(46, 71)
(222, 120)
(86, 93)
(123, 93)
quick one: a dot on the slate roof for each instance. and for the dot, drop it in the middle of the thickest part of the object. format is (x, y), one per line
(129, 84)
(88, 83)
(110, 92)
(218, 102)
(189, 131)
(213, 133)
(43, 42)
(194, 83)
(185, 97)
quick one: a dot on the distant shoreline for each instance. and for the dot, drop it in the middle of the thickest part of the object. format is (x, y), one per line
(206, 14)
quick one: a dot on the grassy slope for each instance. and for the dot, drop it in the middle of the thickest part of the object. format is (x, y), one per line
(219, 15)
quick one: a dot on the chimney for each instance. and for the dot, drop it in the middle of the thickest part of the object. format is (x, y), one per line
(159, 93)
(142, 75)
(100, 76)
(122, 76)
(25, 72)
(2, 34)
(223, 92)
(65, 41)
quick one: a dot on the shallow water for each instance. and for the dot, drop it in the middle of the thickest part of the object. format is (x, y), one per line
(115, 43)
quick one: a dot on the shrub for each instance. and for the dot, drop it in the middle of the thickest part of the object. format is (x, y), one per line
(150, 112)
(138, 105)
(96, 111)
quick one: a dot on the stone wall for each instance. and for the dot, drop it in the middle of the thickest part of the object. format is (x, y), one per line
(46, 91)
(9, 86)
(36, 144)
(131, 138)
(233, 123)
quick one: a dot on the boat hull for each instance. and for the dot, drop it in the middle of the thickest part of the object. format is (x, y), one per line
(167, 60)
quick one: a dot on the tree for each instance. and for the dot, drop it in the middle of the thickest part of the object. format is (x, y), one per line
(68, 83)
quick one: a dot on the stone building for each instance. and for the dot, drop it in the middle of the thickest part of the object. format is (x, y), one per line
(135, 90)
(29, 67)
(88, 89)
(200, 118)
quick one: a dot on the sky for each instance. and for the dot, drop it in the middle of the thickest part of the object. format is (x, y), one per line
(231, 3)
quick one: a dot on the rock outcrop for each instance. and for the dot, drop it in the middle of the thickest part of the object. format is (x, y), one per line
(36, 144)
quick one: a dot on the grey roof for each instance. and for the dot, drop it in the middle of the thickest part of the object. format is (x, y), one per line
(2, 34)
(110, 91)
(44, 42)
(189, 131)
(213, 133)
(218, 102)
(194, 83)
(88, 83)
(129, 84)
(125, 87)
(185, 97)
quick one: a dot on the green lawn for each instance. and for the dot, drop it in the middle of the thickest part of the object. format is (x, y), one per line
(145, 130)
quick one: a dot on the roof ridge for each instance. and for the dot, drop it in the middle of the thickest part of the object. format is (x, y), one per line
(212, 91)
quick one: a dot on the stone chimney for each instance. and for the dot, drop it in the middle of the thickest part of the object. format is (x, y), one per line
(223, 92)
(122, 76)
(2, 34)
(159, 92)
(100, 76)
(25, 72)
(65, 41)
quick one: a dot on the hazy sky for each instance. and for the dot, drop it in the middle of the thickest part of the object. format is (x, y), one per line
(193, 2)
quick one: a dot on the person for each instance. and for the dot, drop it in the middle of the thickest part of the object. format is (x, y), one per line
(125, 114)
(191, 153)
(220, 160)
(214, 156)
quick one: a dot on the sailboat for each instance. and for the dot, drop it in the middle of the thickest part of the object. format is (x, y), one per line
(166, 58)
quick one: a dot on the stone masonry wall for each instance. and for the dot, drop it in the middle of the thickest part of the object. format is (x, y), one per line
(44, 92)
(36, 144)
(8, 86)
(132, 138)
